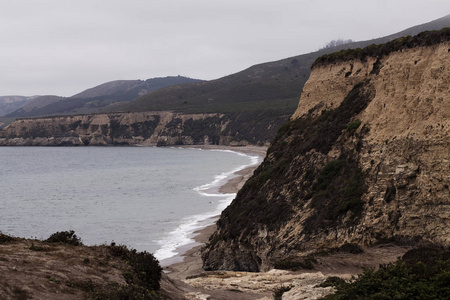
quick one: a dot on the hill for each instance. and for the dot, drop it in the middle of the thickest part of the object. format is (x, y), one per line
(274, 86)
(91, 100)
(9, 104)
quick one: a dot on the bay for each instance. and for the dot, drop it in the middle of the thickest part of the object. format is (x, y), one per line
(147, 198)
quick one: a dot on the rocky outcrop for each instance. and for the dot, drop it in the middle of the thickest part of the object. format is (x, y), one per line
(140, 128)
(364, 160)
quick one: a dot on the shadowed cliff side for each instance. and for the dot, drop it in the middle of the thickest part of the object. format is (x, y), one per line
(364, 160)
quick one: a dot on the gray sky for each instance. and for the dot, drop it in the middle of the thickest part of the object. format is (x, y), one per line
(62, 47)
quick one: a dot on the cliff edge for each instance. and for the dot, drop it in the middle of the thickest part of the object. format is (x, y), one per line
(364, 160)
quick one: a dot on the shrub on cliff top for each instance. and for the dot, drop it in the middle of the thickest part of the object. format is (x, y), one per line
(65, 237)
(426, 38)
(146, 269)
(5, 238)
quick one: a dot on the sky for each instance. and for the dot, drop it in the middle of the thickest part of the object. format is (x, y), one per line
(64, 47)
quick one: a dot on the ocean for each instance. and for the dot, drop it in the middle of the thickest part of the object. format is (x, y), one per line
(147, 198)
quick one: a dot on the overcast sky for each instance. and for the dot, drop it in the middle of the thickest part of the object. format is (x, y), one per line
(62, 47)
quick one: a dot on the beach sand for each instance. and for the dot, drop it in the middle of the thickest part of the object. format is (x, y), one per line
(192, 262)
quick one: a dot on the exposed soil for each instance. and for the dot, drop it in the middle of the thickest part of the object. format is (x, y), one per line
(32, 269)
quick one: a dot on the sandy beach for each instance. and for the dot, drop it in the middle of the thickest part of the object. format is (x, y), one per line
(192, 262)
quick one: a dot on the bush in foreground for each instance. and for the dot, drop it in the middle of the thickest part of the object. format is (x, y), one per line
(404, 279)
(143, 279)
(142, 276)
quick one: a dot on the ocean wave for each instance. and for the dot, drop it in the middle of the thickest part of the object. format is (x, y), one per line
(184, 234)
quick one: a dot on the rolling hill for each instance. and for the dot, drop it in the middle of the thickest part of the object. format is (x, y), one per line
(91, 100)
(274, 86)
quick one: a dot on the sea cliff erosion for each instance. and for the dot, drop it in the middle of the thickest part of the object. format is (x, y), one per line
(364, 160)
(161, 128)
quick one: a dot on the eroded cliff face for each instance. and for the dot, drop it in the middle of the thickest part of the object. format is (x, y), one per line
(139, 128)
(365, 159)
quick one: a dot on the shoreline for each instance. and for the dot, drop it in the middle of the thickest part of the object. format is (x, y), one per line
(191, 263)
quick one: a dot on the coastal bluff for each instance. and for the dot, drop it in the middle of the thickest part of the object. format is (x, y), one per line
(161, 128)
(364, 160)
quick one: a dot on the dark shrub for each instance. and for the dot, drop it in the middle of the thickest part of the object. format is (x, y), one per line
(294, 264)
(146, 268)
(65, 237)
(417, 277)
(5, 238)
(332, 281)
(351, 248)
(351, 128)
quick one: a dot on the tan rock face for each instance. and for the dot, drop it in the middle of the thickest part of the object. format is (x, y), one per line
(407, 148)
(145, 128)
(324, 184)
(148, 128)
(412, 92)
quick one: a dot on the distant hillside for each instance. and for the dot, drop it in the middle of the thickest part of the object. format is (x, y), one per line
(120, 89)
(91, 100)
(274, 86)
(9, 104)
(36, 104)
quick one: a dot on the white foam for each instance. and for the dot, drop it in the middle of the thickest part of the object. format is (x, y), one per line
(183, 235)
(221, 179)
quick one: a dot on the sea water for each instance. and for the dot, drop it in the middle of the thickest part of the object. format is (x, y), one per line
(150, 199)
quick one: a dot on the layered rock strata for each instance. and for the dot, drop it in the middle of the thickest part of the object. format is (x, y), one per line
(161, 128)
(365, 159)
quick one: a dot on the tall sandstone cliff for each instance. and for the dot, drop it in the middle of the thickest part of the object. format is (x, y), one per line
(364, 160)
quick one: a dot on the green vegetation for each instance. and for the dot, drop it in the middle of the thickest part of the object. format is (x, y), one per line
(97, 98)
(353, 126)
(321, 132)
(338, 190)
(426, 38)
(143, 279)
(295, 264)
(124, 292)
(33, 247)
(5, 238)
(328, 173)
(65, 237)
(147, 271)
(272, 195)
(332, 281)
(198, 129)
(423, 274)
(295, 172)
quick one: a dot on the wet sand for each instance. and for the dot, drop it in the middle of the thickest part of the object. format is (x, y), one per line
(192, 262)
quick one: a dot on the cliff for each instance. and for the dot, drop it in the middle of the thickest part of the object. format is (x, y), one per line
(161, 128)
(364, 160)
